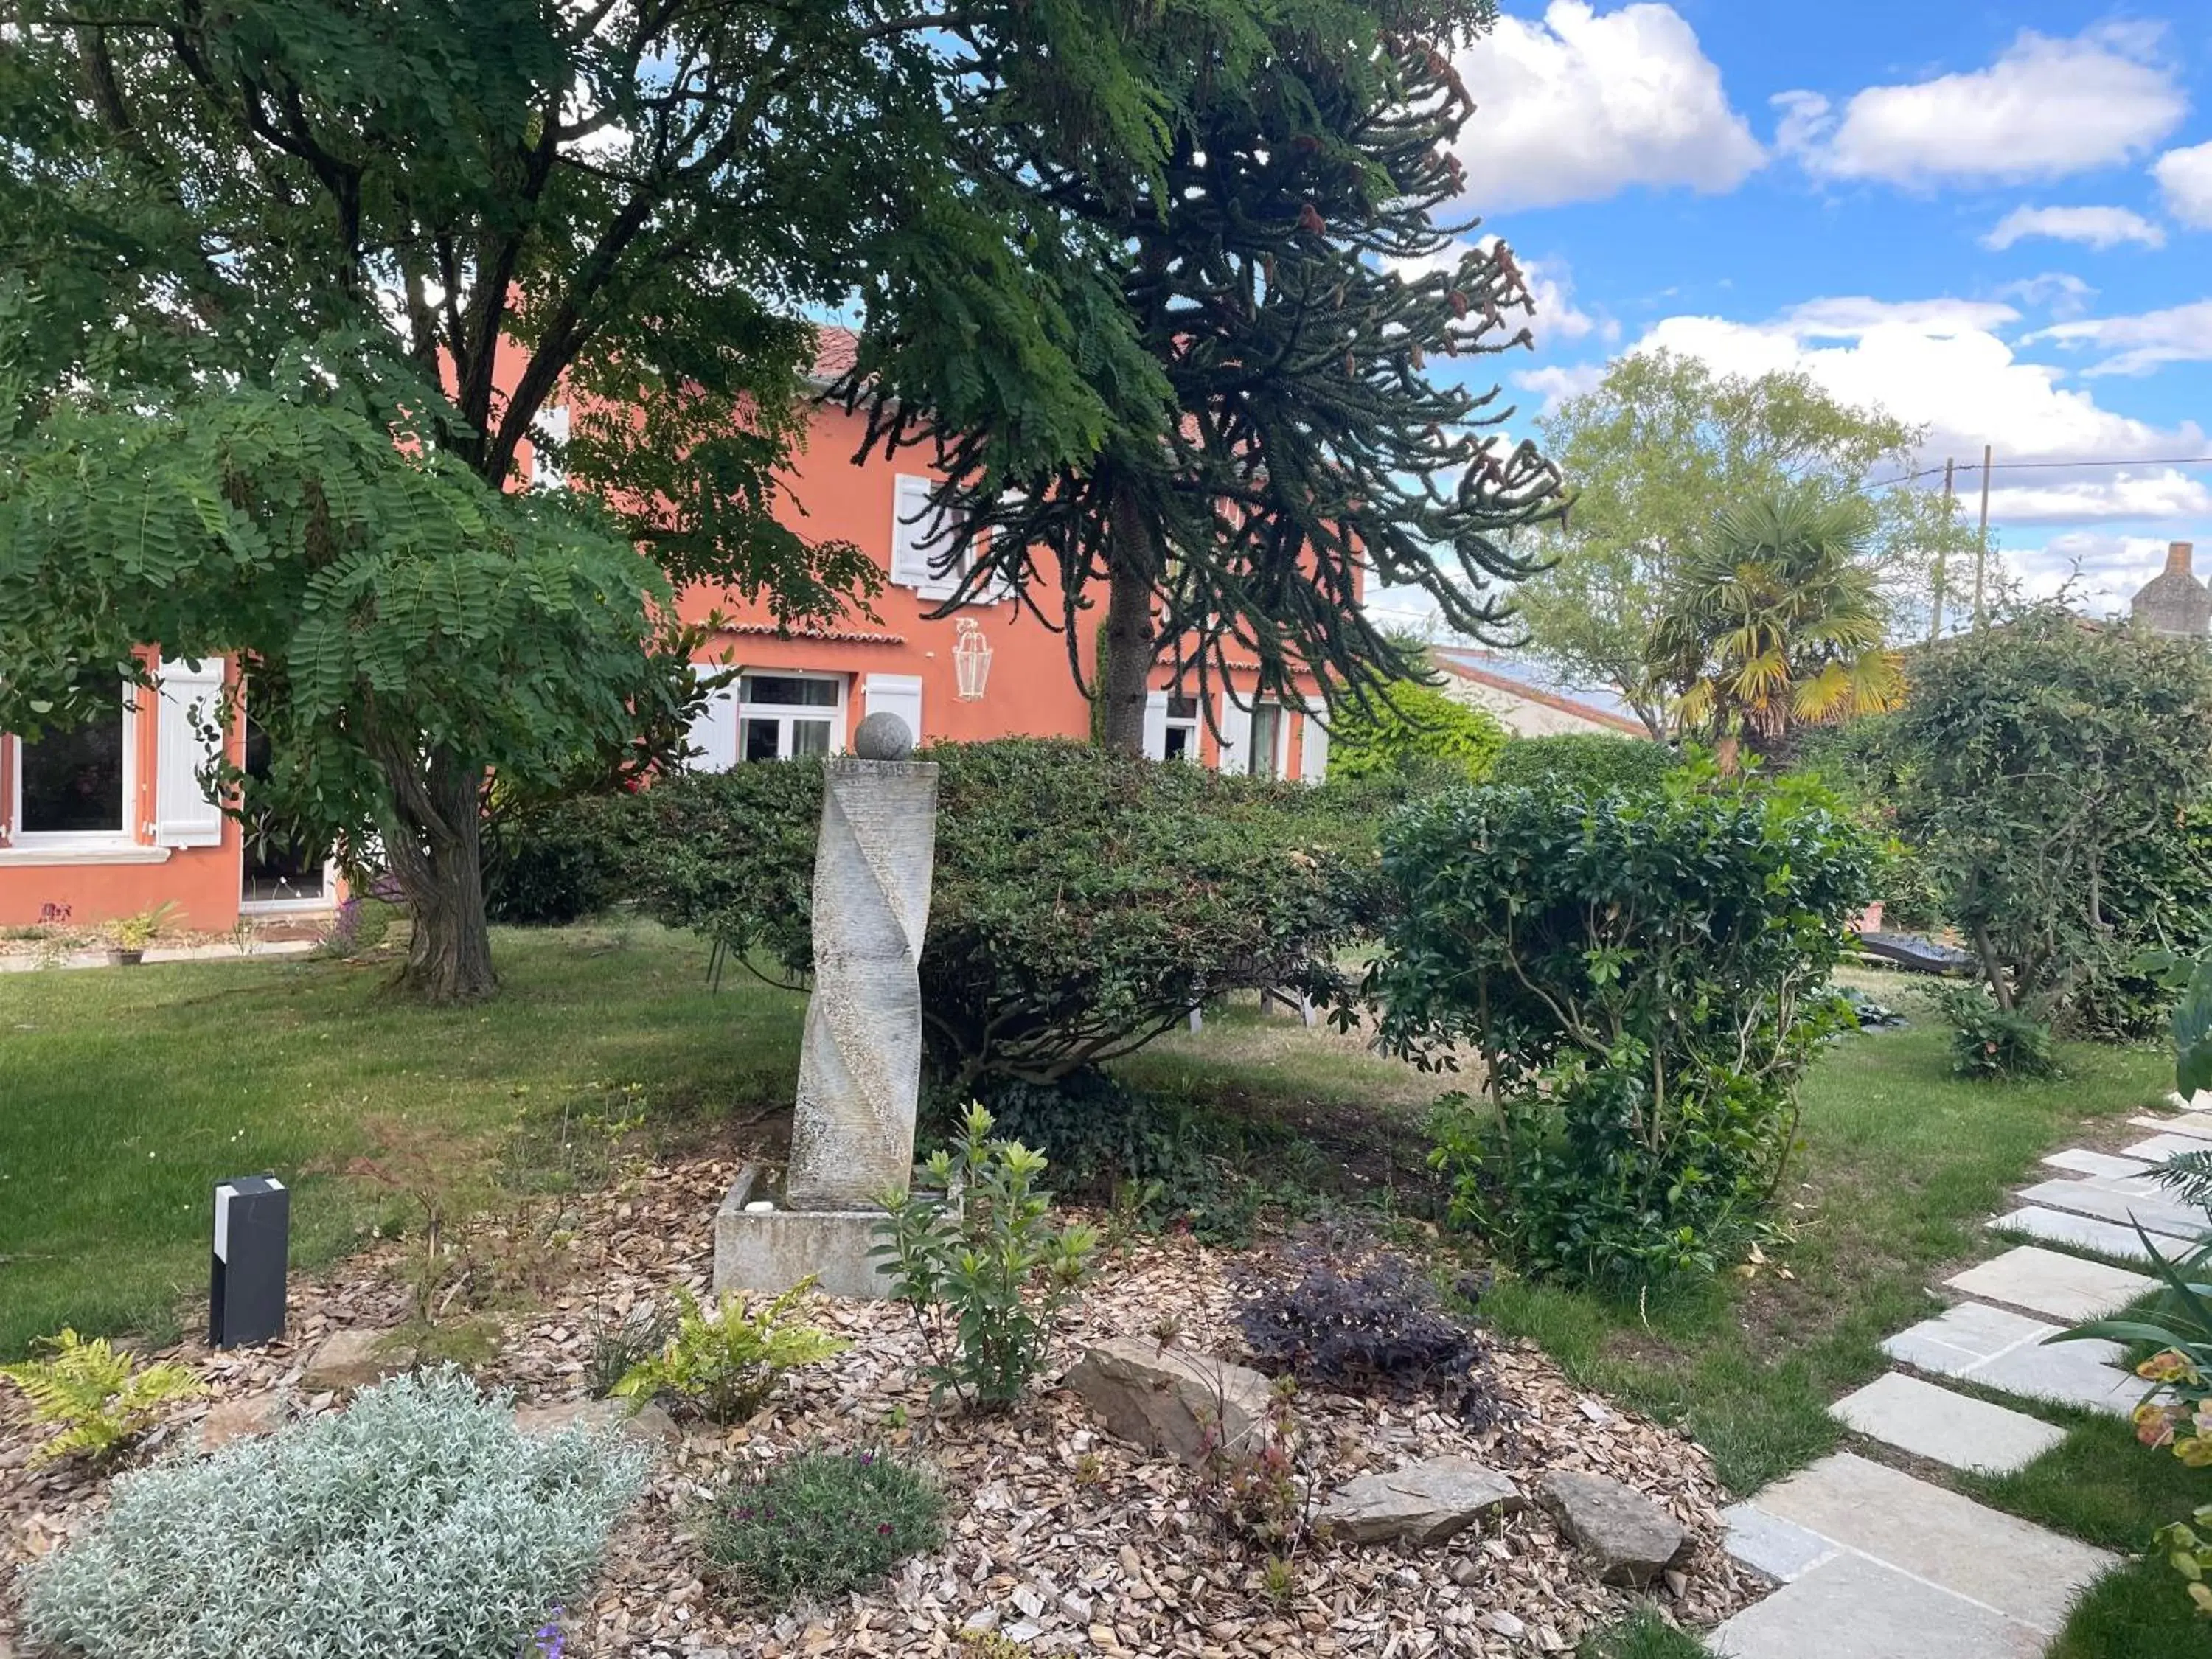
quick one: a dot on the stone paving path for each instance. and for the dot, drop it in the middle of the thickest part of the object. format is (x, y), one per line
(1872, 1562)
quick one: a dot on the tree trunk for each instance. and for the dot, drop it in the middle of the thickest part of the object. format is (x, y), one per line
(1124, 679)
(1728, 751)
(435, 848)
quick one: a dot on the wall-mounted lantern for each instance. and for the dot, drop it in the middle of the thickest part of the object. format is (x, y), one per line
(971, 660)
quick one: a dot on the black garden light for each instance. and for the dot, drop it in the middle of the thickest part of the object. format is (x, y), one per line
(252, 1235)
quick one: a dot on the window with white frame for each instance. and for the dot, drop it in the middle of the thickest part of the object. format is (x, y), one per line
(780, 715)
(73, 784)
(1265, 749)
(1180, 734)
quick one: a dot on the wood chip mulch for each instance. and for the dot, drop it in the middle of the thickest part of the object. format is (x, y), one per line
(1060, 1539)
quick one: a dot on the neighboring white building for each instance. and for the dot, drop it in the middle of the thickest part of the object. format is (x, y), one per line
(1524, 707)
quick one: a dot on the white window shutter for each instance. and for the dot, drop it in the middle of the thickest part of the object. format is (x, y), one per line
(1313, 751)
(895, 694)
(1156, 727)
(913, 537)
(1236, 752)
(715, 732)
(189, 706)
(547, 471)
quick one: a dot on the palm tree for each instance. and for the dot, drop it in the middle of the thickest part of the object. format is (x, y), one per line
(1776, 620)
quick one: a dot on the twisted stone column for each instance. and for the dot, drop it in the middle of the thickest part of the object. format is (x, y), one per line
(860, 1070)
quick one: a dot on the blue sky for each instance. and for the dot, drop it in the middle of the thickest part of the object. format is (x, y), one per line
(1996, 221)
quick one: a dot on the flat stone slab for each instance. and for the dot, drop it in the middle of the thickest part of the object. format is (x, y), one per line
(1172, 1400)
(1851, 1607)
(1951, 1428)
(2049, 1282)
(1422, 1503)
(2083, 1232)
(2161, 1147)
(1781, 1549)
(2100, 1199)
(2027, 1573)
(1631, 1539)
(2081, 1161)
(2004, 1351)
(2194, 1126)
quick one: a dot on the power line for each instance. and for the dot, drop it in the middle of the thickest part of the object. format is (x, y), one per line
(2030, 467)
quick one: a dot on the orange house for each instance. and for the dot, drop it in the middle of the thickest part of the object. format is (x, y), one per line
(110, 819)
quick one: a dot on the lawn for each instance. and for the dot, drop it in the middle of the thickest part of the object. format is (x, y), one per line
(129, 1093)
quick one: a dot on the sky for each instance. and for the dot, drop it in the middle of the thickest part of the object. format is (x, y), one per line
(1994, 221)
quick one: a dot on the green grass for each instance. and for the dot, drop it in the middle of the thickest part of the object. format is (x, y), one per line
(128, 1093)
(1645, 1636)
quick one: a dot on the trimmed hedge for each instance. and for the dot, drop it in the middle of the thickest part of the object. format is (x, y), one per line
(1587, 762)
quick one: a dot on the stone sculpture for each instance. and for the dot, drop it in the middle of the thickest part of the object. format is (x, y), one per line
(860, 1071)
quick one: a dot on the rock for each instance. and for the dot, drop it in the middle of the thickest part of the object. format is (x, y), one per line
(355, 1360)
(239, 1419)
(1630, 1539)
(1422, 1503)
(651, 1425)
(1504, 1624)
(1168, 1399)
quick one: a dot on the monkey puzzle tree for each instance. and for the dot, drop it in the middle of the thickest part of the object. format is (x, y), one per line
(435, 219)
(1288, 436)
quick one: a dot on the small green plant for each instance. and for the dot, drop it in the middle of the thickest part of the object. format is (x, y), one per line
(1993, 1044)
(724, 1362)
(1253, 1487)
(2189, 1550)
(101, 1401)
(981, 1265)
(822, 1524)
(135, 932)
(619, 1348)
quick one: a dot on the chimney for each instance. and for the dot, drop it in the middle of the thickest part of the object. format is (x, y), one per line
(2176, 557)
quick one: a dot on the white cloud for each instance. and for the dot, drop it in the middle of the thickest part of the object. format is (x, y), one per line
(2139, 344)
(1557, 383)
(1578, 107)
(2185, 177)
(2046, 109)
(1550, 285)
(2058, 292)
(1941, 365)
(2104, 570)
(2098, 228)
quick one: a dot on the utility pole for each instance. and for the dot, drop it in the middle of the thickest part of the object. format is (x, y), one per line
(1982, 547)
(1935, 623)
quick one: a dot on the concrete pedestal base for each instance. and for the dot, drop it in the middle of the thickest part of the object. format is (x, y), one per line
(771, 1250)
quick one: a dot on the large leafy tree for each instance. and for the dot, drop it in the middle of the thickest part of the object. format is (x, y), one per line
(270, 228)
(1654, 452)
(1289, 432)
(1776, 619)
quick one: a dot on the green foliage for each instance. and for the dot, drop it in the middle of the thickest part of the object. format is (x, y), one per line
(1414, 728)
(982, 1266)
(1083, 899)
(1991, 1043)
(724, 1362)
(1774, 619)
(821, 1525)
(619, 1347)
(2049, 768)
(2189, 1552)
(1275, 304)
(418, 1520)
(1587, 762)
(549, 865)
(1644, 979)
(101, 1401)
(1651, 454)
(2192, 1033)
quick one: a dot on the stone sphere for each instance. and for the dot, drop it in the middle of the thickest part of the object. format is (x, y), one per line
(882, 736)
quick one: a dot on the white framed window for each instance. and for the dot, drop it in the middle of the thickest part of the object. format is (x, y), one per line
(780, 714)
(1179, 727)
(921, 534)
(77, 786)
(1270, 730)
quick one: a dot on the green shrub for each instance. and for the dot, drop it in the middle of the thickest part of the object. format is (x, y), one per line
(1420, 733)
(100, 1399)
(988, 1277)
(418, 1522)
(725, 1363)
(553, 863)
(1993, 1043)
(1588, 762)
(1083, 901)
(2054, 777)
(1644, 979)
(821, 1525)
